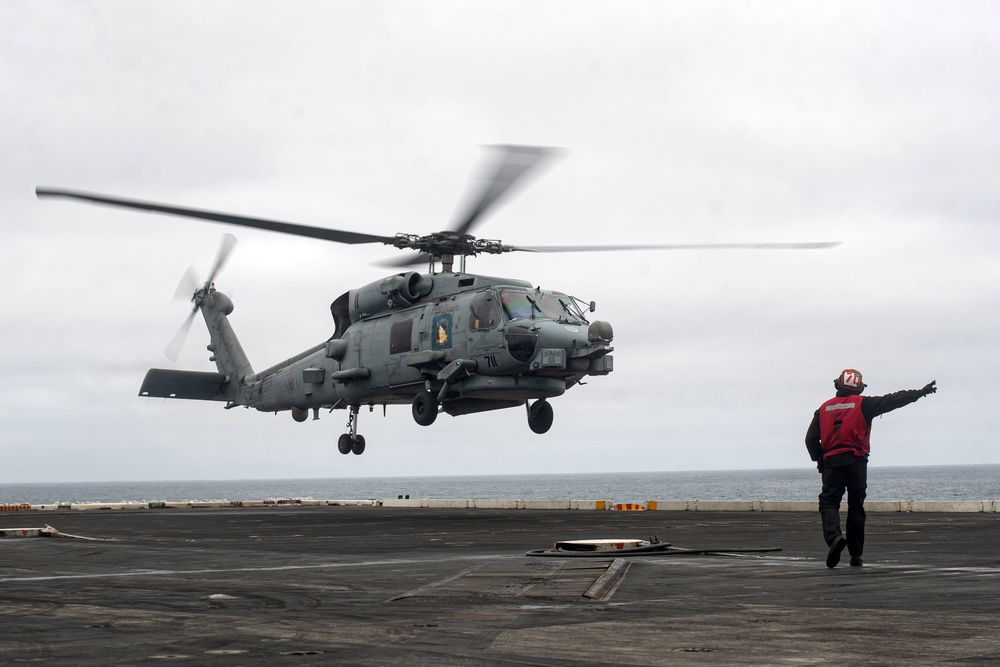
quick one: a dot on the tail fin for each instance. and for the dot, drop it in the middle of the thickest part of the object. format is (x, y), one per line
(232, 381)
(227, 353)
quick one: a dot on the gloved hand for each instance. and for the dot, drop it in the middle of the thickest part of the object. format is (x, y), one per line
(929, 388)
(819, 466)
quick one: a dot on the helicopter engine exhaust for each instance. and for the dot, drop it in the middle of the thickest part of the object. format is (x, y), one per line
(399, 291)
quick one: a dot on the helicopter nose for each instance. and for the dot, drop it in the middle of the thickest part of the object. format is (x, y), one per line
(571, 348)
(573, 337)
(557, 335)
(600, 332)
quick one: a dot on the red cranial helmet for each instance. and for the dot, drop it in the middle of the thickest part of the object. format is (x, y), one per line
(850, 380)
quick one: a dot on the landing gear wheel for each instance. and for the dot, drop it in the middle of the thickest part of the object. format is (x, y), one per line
(540, 416)
(344, 445)
(425, 408)
(359, 445)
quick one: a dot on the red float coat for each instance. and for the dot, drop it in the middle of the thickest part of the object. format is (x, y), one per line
(843, 427)
(851, 435)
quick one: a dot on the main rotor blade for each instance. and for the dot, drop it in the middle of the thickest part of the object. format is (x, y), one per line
(819, 245)
(513, 163)
(411, 259)
(322, 233)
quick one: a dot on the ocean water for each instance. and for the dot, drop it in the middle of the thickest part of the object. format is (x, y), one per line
(967, 482)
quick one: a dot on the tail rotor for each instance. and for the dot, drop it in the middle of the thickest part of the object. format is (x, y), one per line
(187, 286)
(190, 288)
(225, 248)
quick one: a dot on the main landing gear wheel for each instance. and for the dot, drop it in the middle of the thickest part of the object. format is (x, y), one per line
(351, 441)
(346, 444)
(540, 416)
(425, 408)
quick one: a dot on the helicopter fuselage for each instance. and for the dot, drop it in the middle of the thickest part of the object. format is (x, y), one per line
(446, 342)
(474, 342)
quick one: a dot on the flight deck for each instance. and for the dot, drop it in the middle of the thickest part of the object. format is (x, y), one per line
(376, 585)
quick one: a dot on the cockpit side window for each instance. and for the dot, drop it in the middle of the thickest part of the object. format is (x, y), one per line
(485, 312)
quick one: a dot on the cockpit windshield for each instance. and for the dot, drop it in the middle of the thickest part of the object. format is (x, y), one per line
(524, 305)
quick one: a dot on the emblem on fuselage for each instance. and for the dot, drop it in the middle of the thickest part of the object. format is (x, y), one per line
(442, 332)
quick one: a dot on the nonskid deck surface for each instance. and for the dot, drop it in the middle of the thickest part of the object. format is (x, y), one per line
(377, 586)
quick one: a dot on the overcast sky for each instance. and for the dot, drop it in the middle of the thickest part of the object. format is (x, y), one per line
(875, 124)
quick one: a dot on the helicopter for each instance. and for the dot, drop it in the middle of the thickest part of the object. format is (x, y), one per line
(444, 341)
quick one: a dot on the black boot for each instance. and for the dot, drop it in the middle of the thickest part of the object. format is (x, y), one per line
(833, 555)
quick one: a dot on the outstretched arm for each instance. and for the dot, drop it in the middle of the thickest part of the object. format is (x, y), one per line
(873, 406)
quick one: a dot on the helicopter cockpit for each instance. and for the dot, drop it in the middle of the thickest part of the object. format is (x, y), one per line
(521, 304)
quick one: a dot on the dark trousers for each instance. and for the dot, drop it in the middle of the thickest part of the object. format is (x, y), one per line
(854, 479)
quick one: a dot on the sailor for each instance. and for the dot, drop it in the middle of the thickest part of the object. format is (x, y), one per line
(838, 441)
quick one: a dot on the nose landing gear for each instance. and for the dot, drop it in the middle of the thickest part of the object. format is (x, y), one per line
(351, 441)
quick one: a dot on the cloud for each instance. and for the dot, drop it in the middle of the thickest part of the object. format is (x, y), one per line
(710, 122)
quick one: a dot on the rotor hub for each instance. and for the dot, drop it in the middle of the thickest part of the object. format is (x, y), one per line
(441, 244)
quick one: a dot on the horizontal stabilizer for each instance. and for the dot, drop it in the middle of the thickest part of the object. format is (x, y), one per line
(196, 385)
